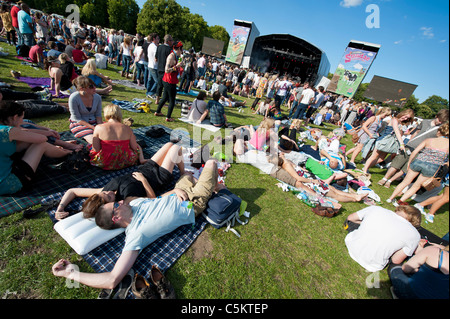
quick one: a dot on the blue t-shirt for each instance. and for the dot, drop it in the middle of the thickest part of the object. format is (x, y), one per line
(23, 19)
(9, 183)
(153, 218)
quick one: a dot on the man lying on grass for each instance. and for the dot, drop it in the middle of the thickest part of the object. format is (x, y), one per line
(145, 220)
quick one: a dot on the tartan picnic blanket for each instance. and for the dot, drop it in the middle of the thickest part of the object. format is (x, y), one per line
(51, 181)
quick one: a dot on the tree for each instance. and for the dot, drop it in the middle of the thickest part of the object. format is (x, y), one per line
(90, 12)
(123, 15)
(423, 111)
(163, 17)
(168, 17)
(220, 33)
(436, 103)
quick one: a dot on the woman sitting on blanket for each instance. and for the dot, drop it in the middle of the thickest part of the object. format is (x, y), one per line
(20, 150)
(85, 108)
(62, 73)
(90, 70)
(114, 144)
(150, 179)
(198, 108)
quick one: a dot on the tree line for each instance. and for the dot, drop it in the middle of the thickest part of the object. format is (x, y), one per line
(160, 16)
(425, 110)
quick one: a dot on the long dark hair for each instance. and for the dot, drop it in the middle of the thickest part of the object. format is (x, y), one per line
(9, 109)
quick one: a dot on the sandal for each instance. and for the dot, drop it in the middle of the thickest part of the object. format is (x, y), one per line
(382, 181)
(388, 183)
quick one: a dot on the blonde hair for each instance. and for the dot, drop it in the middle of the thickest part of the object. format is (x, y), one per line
(384, 110)
(112, 111)
(63, 58)
(266, 124)
(89, 68)
(443, 129)
(406, 112)
(412, 214)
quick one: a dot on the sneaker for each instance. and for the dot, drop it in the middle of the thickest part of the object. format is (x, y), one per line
(163, 285)
(395, 203)
(142, 289)
(419, 207)
(388, 200)
(429, 218)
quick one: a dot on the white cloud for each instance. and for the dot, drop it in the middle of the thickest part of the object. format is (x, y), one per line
(358, 66)
(443, 41)
(427, 32)
(350, 3)
(398, 42)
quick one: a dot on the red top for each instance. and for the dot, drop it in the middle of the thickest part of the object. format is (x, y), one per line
(14, 11)
(78, 56)
(114, 155)
(34, 51)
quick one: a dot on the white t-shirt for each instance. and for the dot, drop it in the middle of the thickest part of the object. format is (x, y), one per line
(101, 61)
(153, 218)
(151, 52)
(283, 86)
(201, 62)
(381, 233)
(126, 50)
(308, 94)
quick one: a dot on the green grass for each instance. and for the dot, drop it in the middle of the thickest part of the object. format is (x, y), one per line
(285, 251)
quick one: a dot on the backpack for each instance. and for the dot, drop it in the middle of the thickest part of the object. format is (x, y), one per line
(23, 50)
(223, 210)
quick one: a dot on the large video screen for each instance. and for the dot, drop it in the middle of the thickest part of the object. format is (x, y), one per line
(212, 47)
(389, 91)
(238, 42)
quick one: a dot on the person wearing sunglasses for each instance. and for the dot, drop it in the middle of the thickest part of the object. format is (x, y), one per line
(85, 108)
(149, 180)
(144, 221)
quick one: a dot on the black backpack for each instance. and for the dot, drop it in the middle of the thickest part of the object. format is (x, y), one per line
(23, 50)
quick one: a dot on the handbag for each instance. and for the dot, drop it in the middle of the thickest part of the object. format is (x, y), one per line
(200, 156)
(434, 181)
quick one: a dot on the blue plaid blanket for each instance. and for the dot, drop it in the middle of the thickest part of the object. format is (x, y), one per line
(163, 252)
(50, 181)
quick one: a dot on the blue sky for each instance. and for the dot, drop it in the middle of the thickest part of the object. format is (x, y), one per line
(413, 34)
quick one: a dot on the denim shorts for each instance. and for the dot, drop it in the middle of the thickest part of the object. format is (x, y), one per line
(425, 168)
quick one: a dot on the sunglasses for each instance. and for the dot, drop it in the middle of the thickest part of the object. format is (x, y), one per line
(115, 206)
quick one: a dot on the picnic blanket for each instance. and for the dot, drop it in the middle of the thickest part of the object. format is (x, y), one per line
(191, 93)
(205, 124)
(50, 181)
(129, 84)
(43, 82)
(163, 252)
